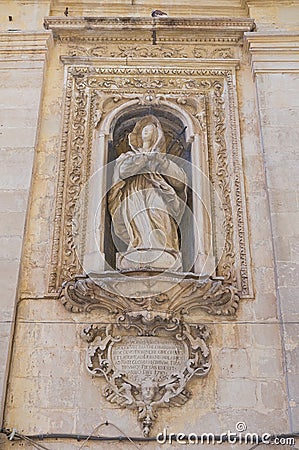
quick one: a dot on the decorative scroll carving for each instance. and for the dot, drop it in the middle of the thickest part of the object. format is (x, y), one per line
(225, 52)
(240, 210)
(97, 51)
(196, 105)
(94, 91)
(147, 367)
(55, 279)
(150, 51)
(226, 265)
(169, 292)
(212, 52)
(122, 51)
(150, 352)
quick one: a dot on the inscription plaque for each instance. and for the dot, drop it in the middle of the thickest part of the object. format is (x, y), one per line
(156, 358)
(150, 369)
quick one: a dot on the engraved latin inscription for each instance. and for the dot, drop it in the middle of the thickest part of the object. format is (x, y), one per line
(156, 358)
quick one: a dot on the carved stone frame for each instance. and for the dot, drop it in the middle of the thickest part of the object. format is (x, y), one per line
(208, 95)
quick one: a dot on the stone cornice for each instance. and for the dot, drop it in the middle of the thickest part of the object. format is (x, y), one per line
(172, 29)
(20, 45)
(145, 36)
(270, 52)
(143, 22)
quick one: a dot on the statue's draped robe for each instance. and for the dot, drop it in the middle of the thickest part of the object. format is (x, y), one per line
(146, 208)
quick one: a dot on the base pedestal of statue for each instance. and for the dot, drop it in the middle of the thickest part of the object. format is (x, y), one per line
(144, 258)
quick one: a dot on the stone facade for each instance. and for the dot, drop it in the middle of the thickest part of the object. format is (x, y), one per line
(53, 80)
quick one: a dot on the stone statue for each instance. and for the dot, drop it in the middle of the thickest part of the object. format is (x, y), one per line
(147, 200)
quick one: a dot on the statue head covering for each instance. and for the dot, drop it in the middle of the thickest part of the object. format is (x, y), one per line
(158, 139)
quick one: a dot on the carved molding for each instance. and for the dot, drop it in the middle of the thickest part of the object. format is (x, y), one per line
(273, 52)
(126, 37)
(22, 45)
(220, 24)
(204, 40)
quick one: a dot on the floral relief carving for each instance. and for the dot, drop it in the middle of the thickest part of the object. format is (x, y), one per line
(152, 51)
(222, 53)
(146, 51)
(54, 278)
(226, 264)
(239, 208)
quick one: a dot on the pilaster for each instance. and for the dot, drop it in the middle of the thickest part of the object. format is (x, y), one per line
(22, 62)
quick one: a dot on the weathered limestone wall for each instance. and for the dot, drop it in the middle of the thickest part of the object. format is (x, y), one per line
(23, 48)
(279, 118)
(278, 110)
(143, 8)
(49, 388)
(22, 59)
(274, 16)
(23, 15)
(275, 68)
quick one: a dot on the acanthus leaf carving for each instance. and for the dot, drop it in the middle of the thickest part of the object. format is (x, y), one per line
(149, 51)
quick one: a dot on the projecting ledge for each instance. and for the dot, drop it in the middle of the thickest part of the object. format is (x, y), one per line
(161, 293)
(198, 23)
(273, 52)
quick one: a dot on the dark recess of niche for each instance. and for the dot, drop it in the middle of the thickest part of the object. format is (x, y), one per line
(172, 127)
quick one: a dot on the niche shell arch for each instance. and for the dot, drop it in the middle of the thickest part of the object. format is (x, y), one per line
(185, 139)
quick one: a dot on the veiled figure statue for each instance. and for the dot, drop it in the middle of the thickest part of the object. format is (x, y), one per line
(147, 200)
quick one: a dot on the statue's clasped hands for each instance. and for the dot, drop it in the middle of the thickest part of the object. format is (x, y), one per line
(152, 161)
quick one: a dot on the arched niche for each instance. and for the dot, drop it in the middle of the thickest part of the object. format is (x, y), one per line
(183, 140)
